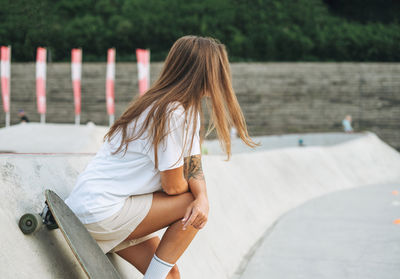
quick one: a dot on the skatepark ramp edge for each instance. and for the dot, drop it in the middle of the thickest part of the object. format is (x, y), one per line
(247, 195)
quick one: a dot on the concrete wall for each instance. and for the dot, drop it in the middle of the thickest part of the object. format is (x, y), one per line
(247, 195)
(276, 98)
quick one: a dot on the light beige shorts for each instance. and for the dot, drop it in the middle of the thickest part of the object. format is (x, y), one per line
(111, 232)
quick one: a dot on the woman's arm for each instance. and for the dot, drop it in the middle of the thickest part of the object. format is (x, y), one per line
(197, 213)
(194, 175)
(190, 177)
(173, 182)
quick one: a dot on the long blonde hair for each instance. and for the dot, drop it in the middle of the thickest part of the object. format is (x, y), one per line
(194, 68)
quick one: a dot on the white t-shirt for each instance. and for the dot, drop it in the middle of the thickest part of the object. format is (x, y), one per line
(108, 180)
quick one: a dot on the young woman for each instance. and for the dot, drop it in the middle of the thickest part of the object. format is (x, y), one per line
(148, 174)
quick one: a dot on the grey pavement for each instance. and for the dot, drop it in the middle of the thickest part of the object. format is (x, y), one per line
(345, 234)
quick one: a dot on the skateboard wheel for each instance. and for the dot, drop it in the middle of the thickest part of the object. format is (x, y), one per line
(30, 223)
(52, 226)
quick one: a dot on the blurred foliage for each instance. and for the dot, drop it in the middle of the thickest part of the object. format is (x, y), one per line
(364, 11)
(252, 30)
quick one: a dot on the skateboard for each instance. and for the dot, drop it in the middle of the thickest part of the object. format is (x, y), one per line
(56, 214)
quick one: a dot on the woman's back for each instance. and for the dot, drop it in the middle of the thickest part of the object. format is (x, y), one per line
(109, 179)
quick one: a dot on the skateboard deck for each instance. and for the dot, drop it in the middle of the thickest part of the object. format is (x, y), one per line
(84, 247)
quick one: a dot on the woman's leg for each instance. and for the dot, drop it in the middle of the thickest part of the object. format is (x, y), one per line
(175, 241)
(141, 254)
(165, 210)
(168, 211)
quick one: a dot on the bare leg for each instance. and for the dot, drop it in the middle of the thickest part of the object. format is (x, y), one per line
(168, 211)
(141, 254)
(165, 210)
(175, 241)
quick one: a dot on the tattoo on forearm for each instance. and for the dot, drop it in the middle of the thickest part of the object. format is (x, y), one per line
(192, 168)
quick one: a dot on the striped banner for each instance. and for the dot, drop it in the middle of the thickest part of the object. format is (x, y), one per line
(110, 81)
(143, 63)
(41, 80)
(76, 72)
(5, 63)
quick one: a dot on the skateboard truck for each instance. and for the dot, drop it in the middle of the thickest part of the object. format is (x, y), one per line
(32, 222)
(48, 218)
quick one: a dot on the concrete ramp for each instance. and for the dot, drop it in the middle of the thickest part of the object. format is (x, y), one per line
(23, 179)
(247, 195)
(56, 138)
(346, 234)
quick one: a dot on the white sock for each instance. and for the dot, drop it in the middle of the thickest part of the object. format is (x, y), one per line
(158, 269)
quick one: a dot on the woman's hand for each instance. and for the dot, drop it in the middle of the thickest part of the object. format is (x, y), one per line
(196, 213)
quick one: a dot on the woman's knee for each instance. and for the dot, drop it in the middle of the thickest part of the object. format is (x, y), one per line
(182, 200)
(168, 207)
(189, 197)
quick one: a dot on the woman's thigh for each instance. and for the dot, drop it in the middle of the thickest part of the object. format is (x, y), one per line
(164, 211)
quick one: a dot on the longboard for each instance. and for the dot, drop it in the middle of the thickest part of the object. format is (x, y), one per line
(88, 253)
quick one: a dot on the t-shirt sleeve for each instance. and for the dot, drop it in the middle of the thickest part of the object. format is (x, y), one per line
(169, 151)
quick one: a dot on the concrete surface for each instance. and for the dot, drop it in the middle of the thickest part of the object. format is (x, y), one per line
(36, 137)
(347, 234)
(247, 195)
(283, 141)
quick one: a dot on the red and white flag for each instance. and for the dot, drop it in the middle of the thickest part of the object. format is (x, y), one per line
(143, 62)
(76, 71)
(41, 79)
(110, 80)
(5, 76)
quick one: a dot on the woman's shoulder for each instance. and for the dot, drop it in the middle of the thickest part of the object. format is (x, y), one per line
(176, 108)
